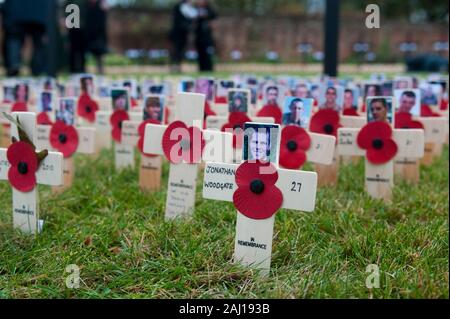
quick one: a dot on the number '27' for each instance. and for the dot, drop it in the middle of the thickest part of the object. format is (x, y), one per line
(296, 187)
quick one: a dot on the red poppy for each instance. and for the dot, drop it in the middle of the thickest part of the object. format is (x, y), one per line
(376, 139)
(350, 112)
(295, 141)
(325, 122)
(182, 143)
(87, 107)
(257, 197)
(43, 119)
(426, 111)
(19, 107)
(208, 111)
(236, 121)
(24, 164)
(116, 120)
(221, 100)
(64, 138)
(444, 105)
(141, 131)
(271, 111)
(404, 120)
(134, 102)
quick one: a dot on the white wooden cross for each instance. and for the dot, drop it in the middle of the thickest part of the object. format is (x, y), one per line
(181, 190)
(150, 166)
(253, 240)
(50, 172)
(379, 179)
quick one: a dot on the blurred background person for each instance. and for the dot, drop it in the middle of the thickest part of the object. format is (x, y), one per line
(182, 18)
(96, 36)
(21, 19)
(204, 41)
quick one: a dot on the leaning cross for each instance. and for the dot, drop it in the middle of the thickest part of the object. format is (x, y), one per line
(189, 109)
(50, 172)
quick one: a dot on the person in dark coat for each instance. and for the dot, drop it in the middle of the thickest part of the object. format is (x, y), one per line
(182, 17)
(21, 19)
(204, 40)
(96, 38)
(77, 43)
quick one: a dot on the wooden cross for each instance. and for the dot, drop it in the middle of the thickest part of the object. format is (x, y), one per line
(379, 179)
(189, 109)
(50, 172)
(253, 240)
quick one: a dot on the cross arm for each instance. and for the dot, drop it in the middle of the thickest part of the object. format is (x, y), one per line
(410, 142)
(298, 187)
(347, 144)
(322, 148)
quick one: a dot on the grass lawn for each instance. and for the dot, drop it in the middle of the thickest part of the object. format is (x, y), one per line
(124, 248)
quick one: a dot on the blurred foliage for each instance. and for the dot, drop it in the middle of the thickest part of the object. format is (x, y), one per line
(415, 10)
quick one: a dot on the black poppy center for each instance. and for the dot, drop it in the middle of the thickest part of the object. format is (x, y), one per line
(22, 168)
(257, 186)
(62, 138)
(185, 144)
(377, 143)
(291, 145)
(405, 127)
(328, 128)
(120, 124)
(88, 109)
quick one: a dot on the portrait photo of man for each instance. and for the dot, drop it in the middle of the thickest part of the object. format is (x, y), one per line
(271, 95)
(261, 142)
(66, 111)
(408, 101)
(297, 111)
(238, 100)
(87, 85)
(45, 102)
(21, 92)
(379, 109)
(332, 98)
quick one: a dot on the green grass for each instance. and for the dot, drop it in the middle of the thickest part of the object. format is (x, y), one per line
(119, 239)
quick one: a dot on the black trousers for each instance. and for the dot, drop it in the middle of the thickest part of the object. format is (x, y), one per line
(14, 39)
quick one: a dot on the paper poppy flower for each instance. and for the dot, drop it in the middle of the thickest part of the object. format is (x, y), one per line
(236, 121)
(19, 107)
(404, 120)
(257, 197)
(376, 139)
(444, 105)
(64, 138)
(207, 110)
(134, 102)
(350, 112)
(43, 119)
(116, 120)
(271, 111)
(426, 111)
(87, 107)
(141, 131)
(24, 164)
(295, 141)
(325, 122)
(182, 143)
(220, 100)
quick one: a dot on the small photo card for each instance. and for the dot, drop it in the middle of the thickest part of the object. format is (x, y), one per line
(297, 111)
(408, 101)
(331, 97)
(372, 89)
(222, 87)
(65, 111)
(87, 84)
(238, 100)
(8, 93)
(187, 85)
(21, 92)
(205, 86)
(301, 90)
(431, 93)
(261, 142)
(45, 101)
(120, 99)
(351, 97)
(380, 109)
(273, 94)
(153, 107)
